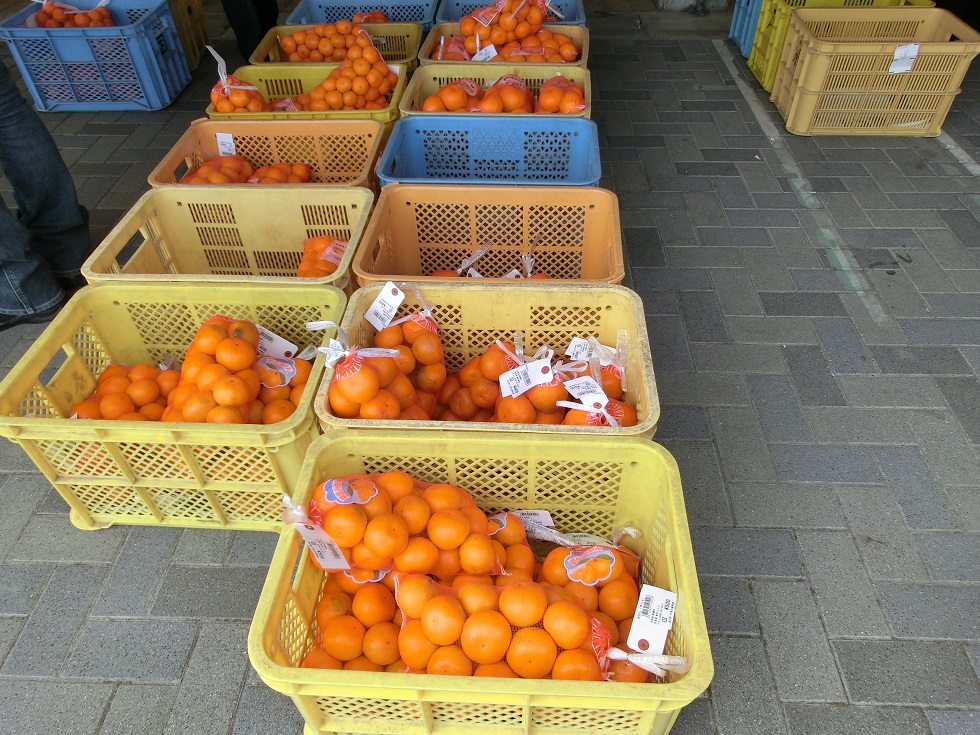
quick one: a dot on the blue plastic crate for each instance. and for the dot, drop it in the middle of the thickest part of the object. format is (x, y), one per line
(745, 18)
(451, 11)
(137, 64)
(443, 149)
(309, 12)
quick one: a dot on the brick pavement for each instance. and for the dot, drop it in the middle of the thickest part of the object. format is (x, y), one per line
(813, 310)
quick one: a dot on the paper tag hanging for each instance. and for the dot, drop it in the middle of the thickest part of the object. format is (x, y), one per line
(579, 349)
(587, 390)
(272, 345)
(226, 144)
(652, 620)
(385, 306)
(473, 273)
(323, 548)
(514, 274)
(524, 377)
(485, 54)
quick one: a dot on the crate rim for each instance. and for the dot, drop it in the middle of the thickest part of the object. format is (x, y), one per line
(31, 427)
(276, 30)
(191, 278)
(687, 689)
(439, 30)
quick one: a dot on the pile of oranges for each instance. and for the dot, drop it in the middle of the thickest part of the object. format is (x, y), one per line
(238, 97)
(513, 21)
(543, 46)
(363, 81)
(507, 95)
(480, 606)
(401, 387)
(52, 16)
(223, 381)
(129, 393)
(323, 42)
(391, 521)
(374, 16)
(233, 169)
(321, 256)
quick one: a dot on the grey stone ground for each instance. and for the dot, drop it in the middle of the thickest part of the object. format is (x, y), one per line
(818, 369)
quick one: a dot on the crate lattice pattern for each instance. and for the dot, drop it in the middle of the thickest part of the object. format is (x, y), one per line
(477, 154)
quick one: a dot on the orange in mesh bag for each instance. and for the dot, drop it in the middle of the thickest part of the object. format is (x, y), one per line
(508, 94)
(560, 95)
(457, 96)
(321, 256)
(524, 629)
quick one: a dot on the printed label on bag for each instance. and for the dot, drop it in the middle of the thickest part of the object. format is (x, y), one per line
(541, 517)
(226, 144)
(524, 377)
(588, 539)
(385, 306)
(323, 548)
(587, 391)
(272, 345)
(485, 54)
(343, 492)
(275, 371)
(652, 620)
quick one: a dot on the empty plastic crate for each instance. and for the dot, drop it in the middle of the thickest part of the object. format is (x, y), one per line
(398, 43)
(578, 34)
(770, 33)
(591, 484)
(276, 81)
(443, 149)
(229, 233)
(147, 472)
(310, 12)
(836, 75)
(472, 316)
(339, 152)
(570, 12)
(138, 64)
(426, 81)
(192, 29)
(745, 18)
(416, 229)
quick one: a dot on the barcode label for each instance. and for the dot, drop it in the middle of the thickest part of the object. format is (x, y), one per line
(272, 345)
(385, 306)
(521, 379)
(579, 349)
(541, 517)
(323, 547)
(646, 607)
(652, 620)
(588, 391)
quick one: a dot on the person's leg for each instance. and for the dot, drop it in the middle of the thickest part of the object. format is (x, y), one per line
(49, 235)
(244, 19)
(268, 12)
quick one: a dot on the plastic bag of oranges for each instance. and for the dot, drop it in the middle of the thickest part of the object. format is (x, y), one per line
(362, 378)
(62, 15)
(393, 521)
(560, 95)
(374, 16)
(450, 49)
(509, 93)
(363, 81)
(457, 96)
(323, 42)
(521, 629)
(230, 94)
(321, 256)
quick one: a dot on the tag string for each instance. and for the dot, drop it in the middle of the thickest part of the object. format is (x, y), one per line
(589, 409)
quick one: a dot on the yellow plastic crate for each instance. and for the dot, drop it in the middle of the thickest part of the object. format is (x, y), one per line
(151, 473)
(591, 484)
(578, 34)
(427, 79)
(472, 316)
(770, 33)
(416, 229)
(397, 42)
(834, 77)
(286, 80)
(339, 152)
(192, 29)
(229, 233)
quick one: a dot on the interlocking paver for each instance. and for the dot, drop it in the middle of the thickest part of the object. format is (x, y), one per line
(922, 502)
(817, 719)
(683, 422)
(263, 710)
(52, 538)
(132, 585)
(780, 505)
(695, 719)
(778, 408)
(843, 346)
(252, 548)
(847, 425)
(896, 391)
(64, 707)
(930, 610)
(9, 630)
(917, 360)
(668, 344)
(946, 447)
(882, 536)
(783, 330)
(950, 556)
(139, 709)
(743, 692)
(825, 463)
(944, 722)
(738, 358)
(728, 605)
(21, 586)
(704, 489)
(741, 444)
(746, 552)
(232, 592)
(735, 291)
(874, 674)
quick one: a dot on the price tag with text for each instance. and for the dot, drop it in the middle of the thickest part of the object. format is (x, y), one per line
(485, 54)
(323, 547)
(272, 345)
(541, 517)
(652, 620)
(385, 306)
(587, 390)
(579, 349)
(521, 379)
(226, 144)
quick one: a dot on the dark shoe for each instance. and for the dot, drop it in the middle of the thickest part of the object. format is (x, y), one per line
(39, 317)
(70, 284)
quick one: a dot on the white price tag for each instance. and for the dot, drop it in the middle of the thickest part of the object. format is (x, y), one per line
(272, 345)
(579, 349)
(904, 56)
(385, 306)
(485, 54)
(588, 539)
(323, 547)
(588, 391)
(541, 517)
(473, 273)
(652, 620)
(226, 144)
(521, 379)
(514, 274)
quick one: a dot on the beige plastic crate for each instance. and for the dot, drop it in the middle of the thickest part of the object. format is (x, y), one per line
(397, 42)
(339, 152)
(834, 76)
(416, 229)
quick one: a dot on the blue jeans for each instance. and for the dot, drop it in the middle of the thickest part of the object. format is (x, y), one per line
(48, 236)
